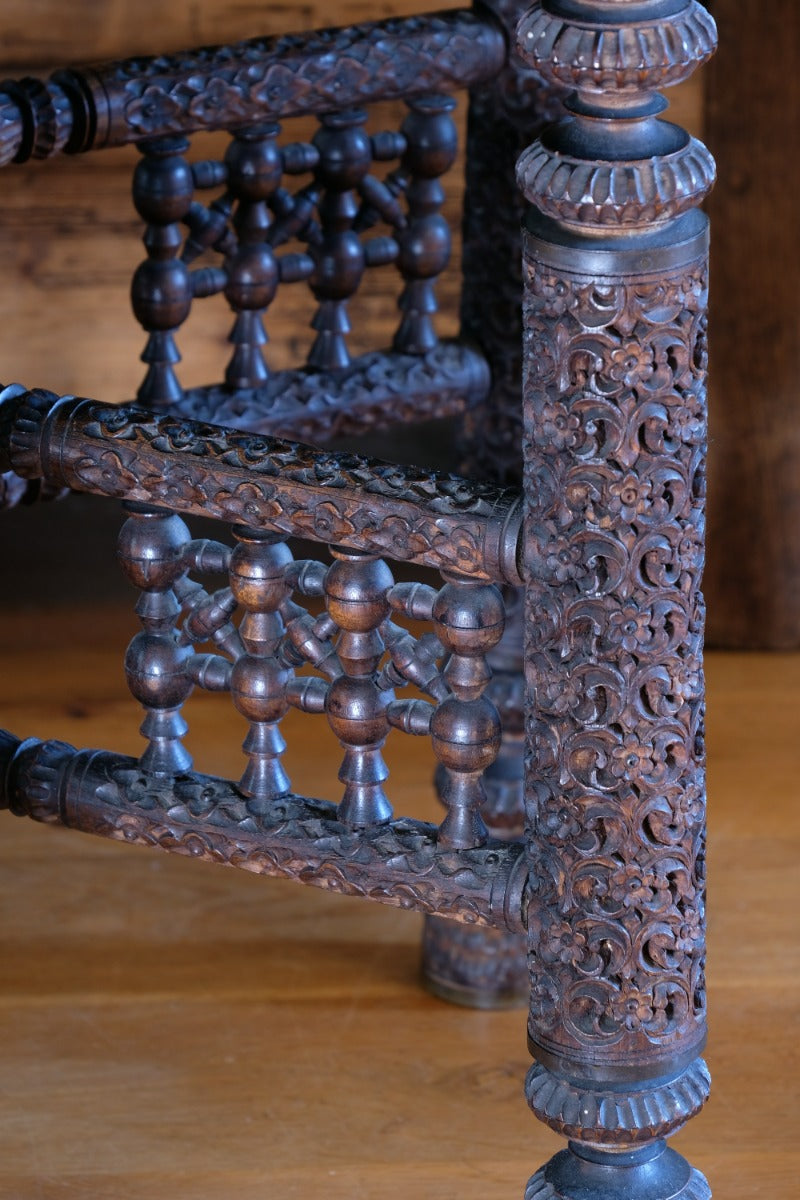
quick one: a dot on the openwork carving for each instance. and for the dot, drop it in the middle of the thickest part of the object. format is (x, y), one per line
(256, 215)
(615, 448)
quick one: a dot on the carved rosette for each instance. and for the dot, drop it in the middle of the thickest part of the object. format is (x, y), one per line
(615, 443)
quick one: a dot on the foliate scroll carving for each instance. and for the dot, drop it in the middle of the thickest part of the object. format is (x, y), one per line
(615, 445)
(401, 512)
(293, 837)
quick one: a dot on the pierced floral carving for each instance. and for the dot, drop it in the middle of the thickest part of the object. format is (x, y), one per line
(614, 535)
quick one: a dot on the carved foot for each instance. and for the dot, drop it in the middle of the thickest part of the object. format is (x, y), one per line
(476, 967)
(594, 1173)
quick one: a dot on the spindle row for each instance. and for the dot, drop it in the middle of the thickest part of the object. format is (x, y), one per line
(355, 660)
(324, 223)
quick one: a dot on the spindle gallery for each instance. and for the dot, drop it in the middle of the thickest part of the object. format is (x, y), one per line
(555, 664)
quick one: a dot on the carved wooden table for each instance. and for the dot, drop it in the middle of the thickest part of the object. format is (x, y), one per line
(597, 857)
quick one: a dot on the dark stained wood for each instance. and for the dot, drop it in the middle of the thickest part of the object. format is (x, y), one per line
(753, 573)
(611, 879)
(615, 270)
(406, 513)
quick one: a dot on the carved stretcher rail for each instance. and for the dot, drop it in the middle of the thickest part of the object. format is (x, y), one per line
(375, 391)
(404, 513)
(222, 87)
(398, 862)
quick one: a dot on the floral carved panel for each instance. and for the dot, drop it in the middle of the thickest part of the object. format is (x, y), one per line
(614, 448)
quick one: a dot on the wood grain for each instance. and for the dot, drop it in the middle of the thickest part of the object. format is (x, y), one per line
(168, 1028)
(753, 578)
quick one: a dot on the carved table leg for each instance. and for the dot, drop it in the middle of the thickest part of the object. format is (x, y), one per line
(615, 294)
(486, 968)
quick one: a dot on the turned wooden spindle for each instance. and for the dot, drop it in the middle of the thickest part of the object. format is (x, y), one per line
(151, 550)
(161, 292)
(356, 599)
(431, 147)
(481, 967)
(465, 729)
(259, 679)
(345, 156)
(254, 171)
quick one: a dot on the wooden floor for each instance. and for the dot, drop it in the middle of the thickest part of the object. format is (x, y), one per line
(171, 1029)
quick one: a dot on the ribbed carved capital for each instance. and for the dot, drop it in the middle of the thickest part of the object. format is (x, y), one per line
(612, 163)
(30, 778)
(23, 416)
(627, 46)
(612, 1116)
(626, 195)
(38, 118)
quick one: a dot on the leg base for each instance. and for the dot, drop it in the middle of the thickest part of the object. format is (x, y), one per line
(476, 967)
(650, 1173)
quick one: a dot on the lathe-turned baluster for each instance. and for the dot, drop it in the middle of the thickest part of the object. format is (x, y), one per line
(356, 598)
(151, 550)
(465, 728)
(345, 156)
(161, 292)
(258, 679)
(431, 147)
(254, 171)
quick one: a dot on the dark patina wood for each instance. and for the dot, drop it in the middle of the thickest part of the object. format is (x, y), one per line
(293, 837)
(615, 266)
(417, 516)
(607, 877)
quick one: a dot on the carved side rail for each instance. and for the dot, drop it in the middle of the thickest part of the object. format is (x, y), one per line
(424, 517)
(374, 391)
(398, 863)
(231, 86)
